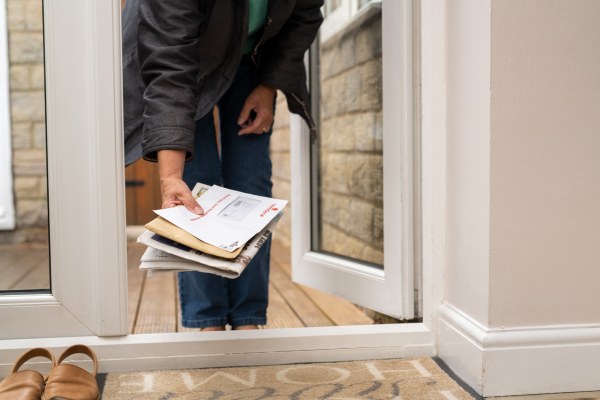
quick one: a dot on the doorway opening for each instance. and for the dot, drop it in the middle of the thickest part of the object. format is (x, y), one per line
(346, 178)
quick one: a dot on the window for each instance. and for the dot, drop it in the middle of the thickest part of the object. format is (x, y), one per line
(341, 13)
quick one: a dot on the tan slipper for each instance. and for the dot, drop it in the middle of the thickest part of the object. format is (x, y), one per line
(69, 382)
(27, 384)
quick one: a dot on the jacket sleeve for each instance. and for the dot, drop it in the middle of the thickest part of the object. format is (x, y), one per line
(282, 64)
(167, 40)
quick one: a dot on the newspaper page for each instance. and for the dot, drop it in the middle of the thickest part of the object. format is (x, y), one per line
(230, 219)
(165, 254)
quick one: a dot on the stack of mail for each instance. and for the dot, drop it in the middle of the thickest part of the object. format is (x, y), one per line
(233, 228)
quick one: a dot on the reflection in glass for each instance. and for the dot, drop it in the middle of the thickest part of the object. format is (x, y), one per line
(350, 159)
(24, 255)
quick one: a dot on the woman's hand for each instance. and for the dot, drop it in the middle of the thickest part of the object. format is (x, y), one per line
(257, 113)
(173, 189)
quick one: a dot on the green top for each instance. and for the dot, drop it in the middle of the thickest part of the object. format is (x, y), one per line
(256, 20)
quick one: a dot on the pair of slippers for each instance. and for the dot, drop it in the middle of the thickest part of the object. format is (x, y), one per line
(64, 382)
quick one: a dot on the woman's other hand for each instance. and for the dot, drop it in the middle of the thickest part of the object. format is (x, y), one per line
(257, 113)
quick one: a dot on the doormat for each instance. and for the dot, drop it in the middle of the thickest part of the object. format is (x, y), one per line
(397, 379)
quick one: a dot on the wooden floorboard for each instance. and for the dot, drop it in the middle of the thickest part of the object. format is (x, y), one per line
(341, 312)
(153, 304)
(157, 311)
(279, 312)
(306, 309)
(37, 277)
(135, 281)
(15, 271)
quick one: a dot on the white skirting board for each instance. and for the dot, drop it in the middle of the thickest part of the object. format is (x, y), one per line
(520, 361)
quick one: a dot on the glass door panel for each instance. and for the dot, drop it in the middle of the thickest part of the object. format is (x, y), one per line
(362, 91)
(24, 244)
(349, 171)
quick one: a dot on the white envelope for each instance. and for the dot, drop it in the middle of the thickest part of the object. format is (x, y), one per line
(230, 219)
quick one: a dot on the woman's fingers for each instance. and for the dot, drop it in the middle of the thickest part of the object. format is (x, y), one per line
(175, 192)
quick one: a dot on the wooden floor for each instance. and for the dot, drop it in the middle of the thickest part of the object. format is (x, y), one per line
(153, 304)
(24, 267)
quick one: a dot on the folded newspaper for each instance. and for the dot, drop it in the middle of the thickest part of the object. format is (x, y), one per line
(172, 247)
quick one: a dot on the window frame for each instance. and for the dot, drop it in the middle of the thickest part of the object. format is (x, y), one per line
(349, 13)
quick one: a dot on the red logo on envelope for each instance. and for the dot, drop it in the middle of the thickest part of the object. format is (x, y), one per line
(270, 208)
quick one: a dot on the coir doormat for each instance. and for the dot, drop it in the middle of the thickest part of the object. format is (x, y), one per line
(399, 379)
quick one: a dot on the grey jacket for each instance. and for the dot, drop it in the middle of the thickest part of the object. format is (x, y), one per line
(180, 56)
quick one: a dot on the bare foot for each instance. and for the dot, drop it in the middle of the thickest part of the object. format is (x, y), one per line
(245, 327)
(212, 329)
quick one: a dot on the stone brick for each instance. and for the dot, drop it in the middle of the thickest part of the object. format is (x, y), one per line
(371, 86)
(29, 162)
(366, 130)
(280, 141)
(27, 106)
(378, 131)
(334, 208)
(282, 114)
(360, 223)
(39, 135)
(19, 77)
(37, 76)
(368, 40)
(25, 15)
(21, 135)
(335, 241)
(364, 174)
(281, 189)
(337, 56)
(371, 254)
(352, 90)
(26, 48)
(328, 102)
(43, 188)
(282, 163)
(378, 227)
(341, 94)
(333, 172)
(337, 134)
(26, 187)
(32, 213)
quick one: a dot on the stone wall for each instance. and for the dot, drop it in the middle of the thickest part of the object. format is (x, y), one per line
(351, 161)
(280, 155)
(27, 107)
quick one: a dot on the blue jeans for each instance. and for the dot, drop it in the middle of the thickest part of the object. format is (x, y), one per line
(244, 164)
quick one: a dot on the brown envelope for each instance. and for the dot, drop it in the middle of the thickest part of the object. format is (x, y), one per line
(164, 228)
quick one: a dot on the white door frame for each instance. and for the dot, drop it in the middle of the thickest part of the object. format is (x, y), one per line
(85, 180)
(93, 176)
(390, 291)
(7, 207)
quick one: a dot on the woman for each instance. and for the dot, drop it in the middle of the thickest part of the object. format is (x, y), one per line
(181, 59)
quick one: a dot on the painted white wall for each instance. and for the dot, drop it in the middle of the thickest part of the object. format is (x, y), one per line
(520, 313)
(468, 156)
(545, 163)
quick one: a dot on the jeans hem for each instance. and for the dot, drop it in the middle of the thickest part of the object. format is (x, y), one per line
(248, 321)
(203, 323)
